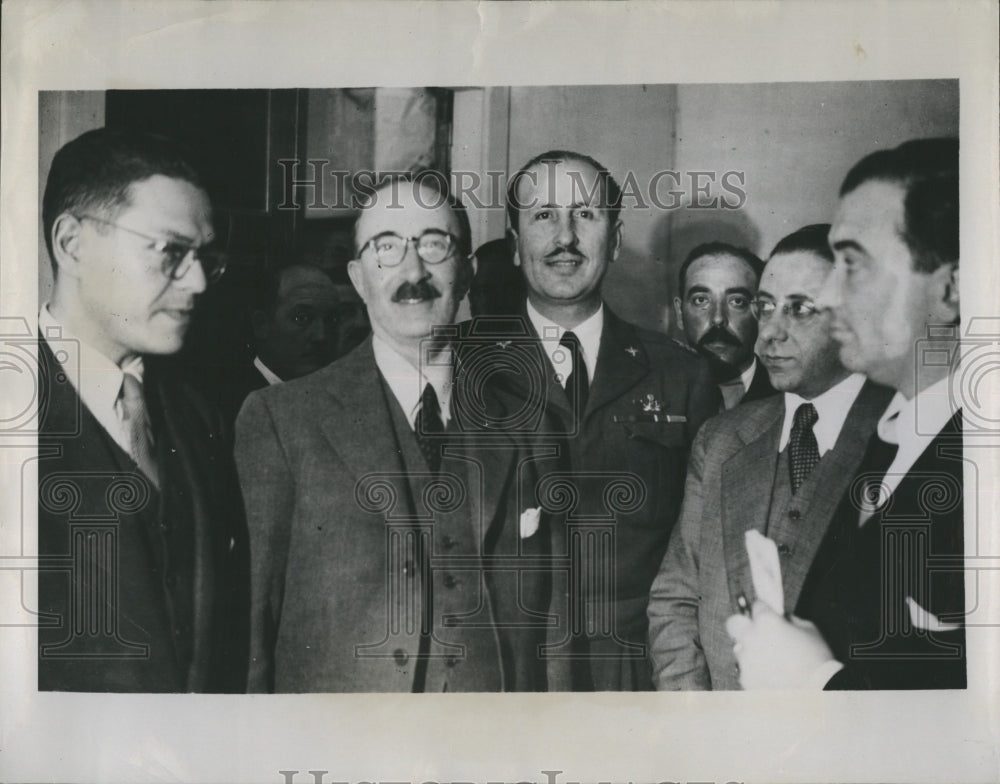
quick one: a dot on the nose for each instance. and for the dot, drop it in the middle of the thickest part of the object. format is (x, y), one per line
(194, 278)
(412, 267)
(566, 230)
(720, 313)
(774, 328)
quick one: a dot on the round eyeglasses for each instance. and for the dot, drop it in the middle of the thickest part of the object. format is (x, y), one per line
(177, 257)
(797, 309)
(432, 247)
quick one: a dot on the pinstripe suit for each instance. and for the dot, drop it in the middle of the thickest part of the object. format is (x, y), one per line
(731, 473)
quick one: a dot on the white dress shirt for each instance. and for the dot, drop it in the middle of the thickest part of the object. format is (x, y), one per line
(832, 408)
(588, 332)
(407, 382)
(99, 381)
(269, 375)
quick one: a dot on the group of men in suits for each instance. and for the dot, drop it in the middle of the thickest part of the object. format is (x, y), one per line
(488, 506)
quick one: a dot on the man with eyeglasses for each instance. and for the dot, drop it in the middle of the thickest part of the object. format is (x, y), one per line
(717, 282)
(884, 604)
(386, 544)
(142, 545)
(776, 466)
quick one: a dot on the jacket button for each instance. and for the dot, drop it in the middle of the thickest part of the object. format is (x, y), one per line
(447, 542)
(451, 661)
(794, 514)
(400, 656)
(449, 581)
(408, 567)
(784, 549)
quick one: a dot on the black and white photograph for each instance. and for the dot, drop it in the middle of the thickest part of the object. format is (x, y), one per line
(390, 424)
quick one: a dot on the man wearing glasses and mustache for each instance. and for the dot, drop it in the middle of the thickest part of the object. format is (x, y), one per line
(385, 545)
(776, 466)
(717, 283)
(141, 537)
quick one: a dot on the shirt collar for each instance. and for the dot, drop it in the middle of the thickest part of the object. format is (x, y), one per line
(832, 408)
(269, 375)
(407, 382)
(588, 332)
(918, 421)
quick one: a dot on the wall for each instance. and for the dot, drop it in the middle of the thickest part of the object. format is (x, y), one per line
(793, 143)
(62, 116)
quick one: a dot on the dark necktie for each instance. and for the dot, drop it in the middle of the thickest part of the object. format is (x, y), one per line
(428, 428)
(577, 383)
(137, 428)
(803, 451)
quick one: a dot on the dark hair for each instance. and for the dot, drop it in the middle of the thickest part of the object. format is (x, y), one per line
(611, 192)
(267, 283)
(96, 170)
(436, 182)
(927, 170)
(719, 249)
(809, 239)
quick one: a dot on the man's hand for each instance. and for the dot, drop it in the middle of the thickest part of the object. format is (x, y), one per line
(775, 653)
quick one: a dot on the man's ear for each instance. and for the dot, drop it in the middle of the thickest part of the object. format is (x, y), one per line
(946, 293)
(357, 275)
(516, 256)
(679, 314)
(616, 240)
(66, 242)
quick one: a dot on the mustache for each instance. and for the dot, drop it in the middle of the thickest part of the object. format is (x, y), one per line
(718, 334)
(564, 250)
(420, 290)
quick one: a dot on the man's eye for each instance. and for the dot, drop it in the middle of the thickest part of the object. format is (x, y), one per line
(175, 252)
(302, 318)
(542, 215)
(699, 301)
(381, 246)
(802, 308)
(739, 302)
(585, 214)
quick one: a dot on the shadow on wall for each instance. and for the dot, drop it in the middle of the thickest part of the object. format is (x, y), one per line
(641, 285)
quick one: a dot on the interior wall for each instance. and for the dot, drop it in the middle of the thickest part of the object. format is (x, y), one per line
(62, 116)
(786, 146)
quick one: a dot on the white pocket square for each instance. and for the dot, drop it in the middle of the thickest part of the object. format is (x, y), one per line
(529, 521)
(927, 621)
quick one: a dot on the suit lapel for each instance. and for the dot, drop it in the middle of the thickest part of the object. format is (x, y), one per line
(621, 362)
(834, 474)
(746, 499)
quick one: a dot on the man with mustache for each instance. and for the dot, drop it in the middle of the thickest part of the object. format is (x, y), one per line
(883, 605)
(141, 540)
(388, 522)
(626, 404)
(776, 466)
(717, 282)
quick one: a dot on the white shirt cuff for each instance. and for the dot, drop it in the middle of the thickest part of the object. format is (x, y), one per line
(822, 674)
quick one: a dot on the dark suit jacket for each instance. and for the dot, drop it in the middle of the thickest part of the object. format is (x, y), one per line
(913, 547)
(729, 483)
(139, 589)
(625, 457)
(355, 552)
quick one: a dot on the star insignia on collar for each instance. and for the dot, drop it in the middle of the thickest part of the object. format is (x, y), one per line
(632, 350)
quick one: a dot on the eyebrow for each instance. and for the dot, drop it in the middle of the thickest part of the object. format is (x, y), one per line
(848, 245)
(697, 289)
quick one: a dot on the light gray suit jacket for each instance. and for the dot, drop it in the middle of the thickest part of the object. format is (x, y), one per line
(728, 491)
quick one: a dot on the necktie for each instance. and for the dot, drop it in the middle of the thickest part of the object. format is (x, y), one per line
(428, 428)
(577, 385)
(803, 452)
(137, 428)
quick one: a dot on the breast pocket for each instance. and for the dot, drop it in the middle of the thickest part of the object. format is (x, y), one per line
(656, 452)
